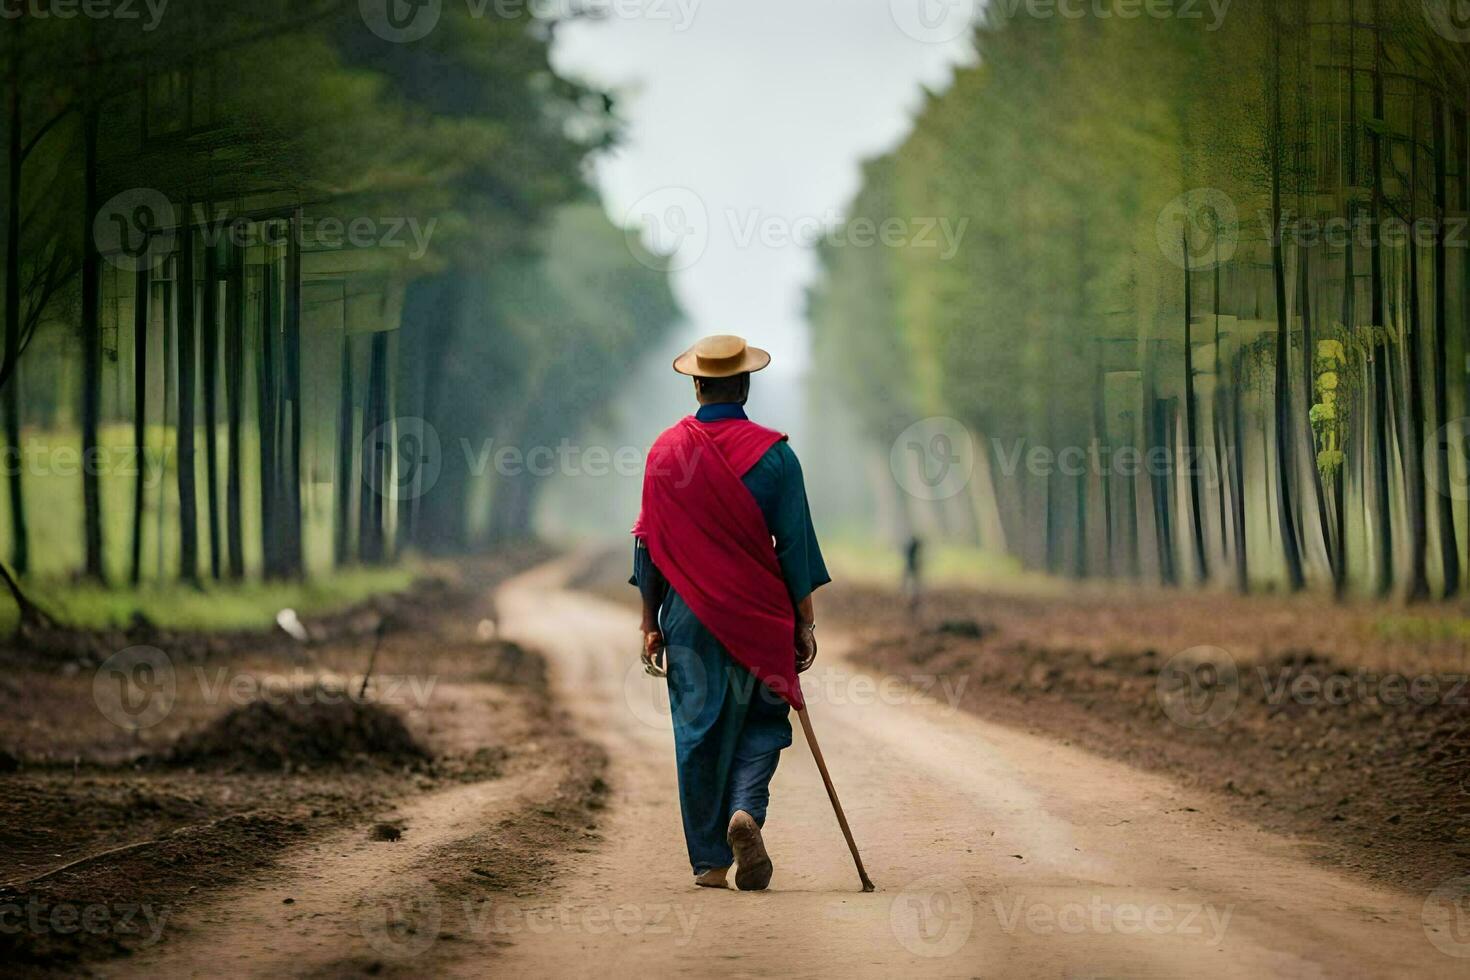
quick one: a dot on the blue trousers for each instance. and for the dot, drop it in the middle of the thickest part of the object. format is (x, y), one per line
(729, 730)
(750, 784)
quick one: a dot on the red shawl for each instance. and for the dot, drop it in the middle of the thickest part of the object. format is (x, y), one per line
(708, 537)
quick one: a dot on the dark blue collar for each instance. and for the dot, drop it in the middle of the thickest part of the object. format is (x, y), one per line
(720, 412)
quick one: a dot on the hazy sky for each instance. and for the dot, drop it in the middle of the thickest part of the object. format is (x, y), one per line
(747, 120)
(746, 123)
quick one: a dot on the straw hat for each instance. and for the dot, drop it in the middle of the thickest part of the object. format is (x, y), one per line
(721, 356)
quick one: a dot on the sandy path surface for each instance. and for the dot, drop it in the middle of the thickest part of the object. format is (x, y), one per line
(995, 853)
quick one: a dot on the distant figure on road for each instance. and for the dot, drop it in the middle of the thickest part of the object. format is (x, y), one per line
(726, 559)
(913, 558)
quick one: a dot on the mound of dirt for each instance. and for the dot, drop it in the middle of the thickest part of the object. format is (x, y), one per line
(511, 663)
(306, 731)
(963, 627)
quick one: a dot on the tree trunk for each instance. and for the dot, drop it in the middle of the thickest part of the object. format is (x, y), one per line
(1053, 539)
(235, 411)
(1324, 522)
(1236, 458)
(372, 529)
(1191, 428)
(510, 508)
(1412, 449)
(1134, 553)
(32, 617)
(1163, 512)
(423, 309)
(293, 564)
(1463, 158)
(20, 556)
(269, 422)
(1350, 324)
(1217, 415)
(1384, 531)
(1449, 548)
(168, 320)
(1104, 472)
(1282, 409)
(91, 353)
(209, 327)
(441, 520)
(188, 362)
(1462, 121)
(347, 478)
(142, 285)
(1008, 501)
(1079, 504)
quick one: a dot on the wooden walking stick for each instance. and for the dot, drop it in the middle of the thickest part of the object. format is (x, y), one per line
(811, 739)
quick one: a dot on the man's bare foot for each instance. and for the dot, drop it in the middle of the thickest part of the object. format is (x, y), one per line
(713, 878)
(753, 865)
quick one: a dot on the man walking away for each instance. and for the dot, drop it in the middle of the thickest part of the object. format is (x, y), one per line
(726, 560)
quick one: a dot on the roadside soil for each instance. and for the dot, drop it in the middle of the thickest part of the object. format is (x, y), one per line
(1345, 726)
(263, 758)
(521, 817)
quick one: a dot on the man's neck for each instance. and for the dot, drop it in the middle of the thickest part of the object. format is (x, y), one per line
(720, 411)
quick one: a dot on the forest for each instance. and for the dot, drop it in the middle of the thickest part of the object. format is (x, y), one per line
(267, 271)
(1207, 323)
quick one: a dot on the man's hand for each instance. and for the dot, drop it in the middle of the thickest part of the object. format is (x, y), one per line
(654, 656)
(806, 647)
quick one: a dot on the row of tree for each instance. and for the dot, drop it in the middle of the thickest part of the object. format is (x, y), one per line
(289, 253)
(1230, 265)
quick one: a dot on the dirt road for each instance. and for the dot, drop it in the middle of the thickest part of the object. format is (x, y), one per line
(995, 854)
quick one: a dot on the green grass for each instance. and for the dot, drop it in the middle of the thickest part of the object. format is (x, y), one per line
(1423, 629)
(53, 494)
(857, 559)
(249, 605)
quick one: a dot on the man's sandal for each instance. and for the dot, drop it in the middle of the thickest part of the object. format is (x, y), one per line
(713, 878)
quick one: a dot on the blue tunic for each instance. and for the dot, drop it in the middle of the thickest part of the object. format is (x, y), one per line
(729, 729)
